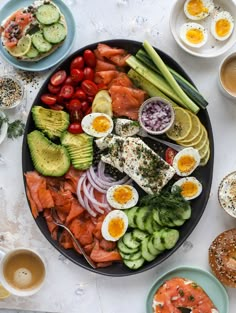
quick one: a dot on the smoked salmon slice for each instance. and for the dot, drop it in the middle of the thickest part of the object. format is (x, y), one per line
(100, 255)
(53, 228)
(116, 55)
(65, 240)
(75, 211)
(121, 80)
(104, 66)
(105, 77)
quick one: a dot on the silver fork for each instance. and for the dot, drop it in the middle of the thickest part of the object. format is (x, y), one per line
(143, 133)
(57, 221)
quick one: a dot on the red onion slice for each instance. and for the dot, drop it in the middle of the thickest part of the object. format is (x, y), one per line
(87, 207)
(92, 200)
(80, 182)
(96, 207)
(93, 183)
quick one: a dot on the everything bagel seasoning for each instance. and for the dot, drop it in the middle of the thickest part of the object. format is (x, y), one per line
(10, 92)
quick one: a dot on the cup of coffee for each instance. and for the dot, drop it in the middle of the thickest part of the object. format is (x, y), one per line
(22, 271)
(227, 76)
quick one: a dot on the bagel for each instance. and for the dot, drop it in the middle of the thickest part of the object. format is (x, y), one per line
(24, 22)
(222, 257)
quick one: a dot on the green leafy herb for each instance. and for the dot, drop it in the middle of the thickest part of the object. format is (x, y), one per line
(181, 292)
(191, 298)
(15, 129)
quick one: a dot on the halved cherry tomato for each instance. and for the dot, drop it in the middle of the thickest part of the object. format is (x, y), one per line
(90, 99)
(89, 87)
(169, 155)
(84, 106)
(58, 78)
(60, 99)
(75, 128)
(69, 81)
(88, 73)
(80, 94)
(78, 62)
(76, 116)
(88, 111)
(67, 91)
(57, 107)
(89, 58)
(77, 75)
(48, 99)
(74, 105)
(53, 89)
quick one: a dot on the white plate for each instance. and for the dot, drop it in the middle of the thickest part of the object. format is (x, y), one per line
(3, 129)
(213, 47)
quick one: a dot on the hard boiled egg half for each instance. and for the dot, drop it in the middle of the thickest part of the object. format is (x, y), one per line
(198, 9)
(97, 124)
(190, 187)
(122, 196)
(222, 25)
(193, 35)
(114, 225)
(186, 161)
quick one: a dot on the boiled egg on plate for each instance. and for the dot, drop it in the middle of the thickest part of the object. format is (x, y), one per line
(198, 9)
(193, 34)
(186, 161)
(191, 188)
(122, 196)
(97, 124)
(222, 25)
(114, 225)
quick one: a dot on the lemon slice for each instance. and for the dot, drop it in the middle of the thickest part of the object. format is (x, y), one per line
(22, 48)
(195, 130)
(203, 140)
(3, 293)
(197, 141)
(204, 160)
(182, 125)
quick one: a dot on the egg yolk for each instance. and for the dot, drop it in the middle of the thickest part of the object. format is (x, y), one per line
(123, 194)
(196, 7)
(194, 35)
(101, 124)
(222, 27)
(116, 227)
(189, 189)
(186, 163)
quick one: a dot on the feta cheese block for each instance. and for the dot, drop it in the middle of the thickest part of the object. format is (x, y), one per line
(145, 166)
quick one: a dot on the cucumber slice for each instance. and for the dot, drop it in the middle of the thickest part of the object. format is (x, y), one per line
(178, 222)
(170, 237)
(123, 248)
(134, 265)
(156, 217)
(155, 226)
(149, 224)
(40, 43)
(131, 257)
(139, 235)
(185, 214)
(151, 247)
(32, 53)
(130, 242)
(145, 252)
(141, 217)
(55, 33)
(47, 14)
(166, 217)
(131, 214)
(158, 242)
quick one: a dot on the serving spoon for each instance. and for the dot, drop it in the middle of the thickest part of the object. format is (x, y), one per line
(143, 133)
(57, 222)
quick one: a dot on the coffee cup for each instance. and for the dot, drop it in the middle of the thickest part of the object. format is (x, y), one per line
(227, 76)
(22, 271)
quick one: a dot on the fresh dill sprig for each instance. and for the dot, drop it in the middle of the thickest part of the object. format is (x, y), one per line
(15, 129)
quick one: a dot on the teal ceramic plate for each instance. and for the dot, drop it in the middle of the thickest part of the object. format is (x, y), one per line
(207, 281)
(51, 60)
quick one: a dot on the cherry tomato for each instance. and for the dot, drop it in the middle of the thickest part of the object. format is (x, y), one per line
(89, 87)
(89, 58)
(169, 155)
(90, 99)
(75, 128)
(53, 89)
(69, 81)
(74, 105)
(78, 62)
(84, 106)
(57, 107)
(88, 73)
(80, 94)
(77, 75)
(48, 99)
(88, 111)
(76, 116)
(60, 99)
(58, 78)
(67, 91)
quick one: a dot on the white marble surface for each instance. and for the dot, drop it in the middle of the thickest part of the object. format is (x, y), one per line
(69, 288)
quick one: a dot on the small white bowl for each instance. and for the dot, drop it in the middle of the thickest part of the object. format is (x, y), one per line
(156, 100)
(213, 47)
(227, 194)
(18, 98)
(3, 129)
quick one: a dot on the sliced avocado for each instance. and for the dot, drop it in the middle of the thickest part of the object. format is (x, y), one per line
(52, 123)
(48, 158)
(80, 149)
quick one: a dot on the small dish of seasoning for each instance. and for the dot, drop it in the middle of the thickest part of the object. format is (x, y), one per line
(11, 92)
(227, 194)
(156, 115)
(3, 126)
(227, 76)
